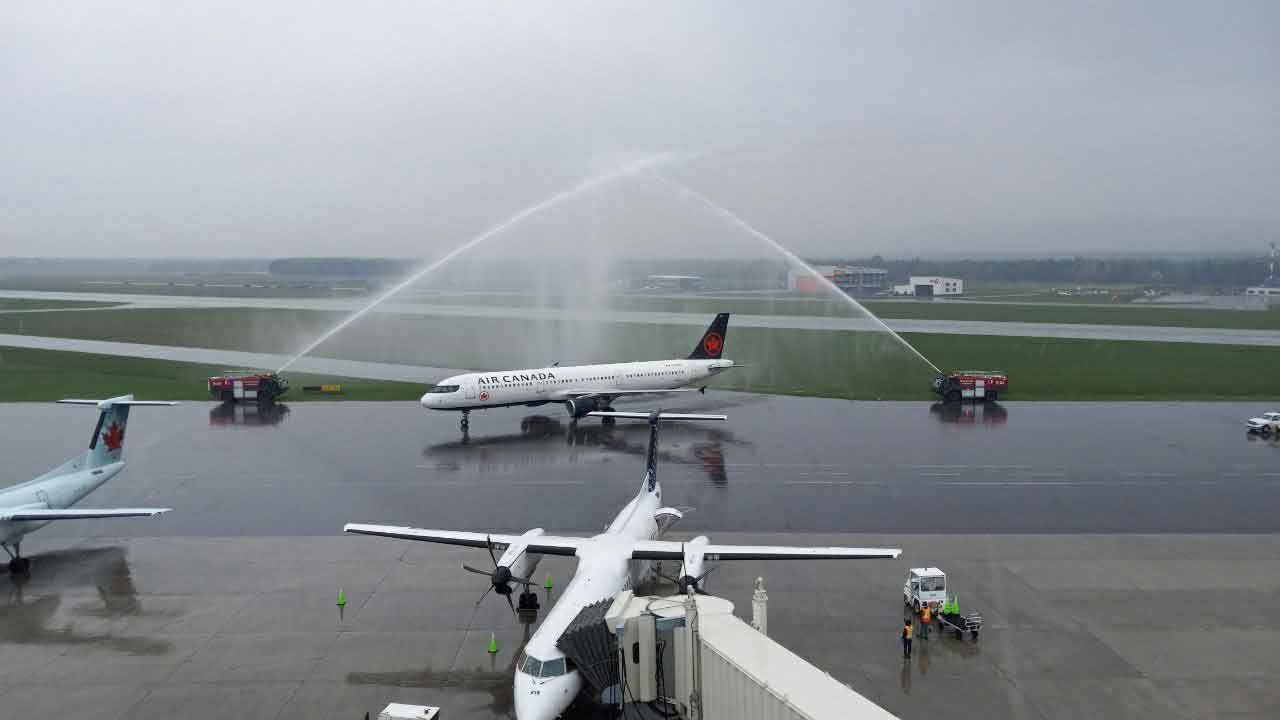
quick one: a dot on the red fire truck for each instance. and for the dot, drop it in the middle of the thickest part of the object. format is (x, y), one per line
(987, 385)
(242, 386)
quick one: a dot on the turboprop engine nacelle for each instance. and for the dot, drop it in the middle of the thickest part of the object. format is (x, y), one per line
(515, 563)
(579, 407)
(693, 568)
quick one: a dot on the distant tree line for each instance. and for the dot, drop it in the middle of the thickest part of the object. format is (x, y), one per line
(1188, 272)
(345, 267)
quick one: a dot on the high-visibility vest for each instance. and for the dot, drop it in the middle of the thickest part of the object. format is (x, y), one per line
(925, 615)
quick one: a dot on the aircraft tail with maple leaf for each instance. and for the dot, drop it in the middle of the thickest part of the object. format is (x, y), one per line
(31, 505)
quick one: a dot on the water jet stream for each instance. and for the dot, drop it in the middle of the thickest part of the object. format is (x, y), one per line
(588, 184)
(732, 219)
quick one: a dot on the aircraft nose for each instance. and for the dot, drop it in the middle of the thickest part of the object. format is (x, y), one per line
(544, 699)
(426, 400)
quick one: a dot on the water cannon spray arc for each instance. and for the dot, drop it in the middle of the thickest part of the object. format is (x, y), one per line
(551, 202)
(732, 219)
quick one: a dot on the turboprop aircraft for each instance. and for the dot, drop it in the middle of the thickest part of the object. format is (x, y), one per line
(618, 559)
(31, 505)
(582, 388)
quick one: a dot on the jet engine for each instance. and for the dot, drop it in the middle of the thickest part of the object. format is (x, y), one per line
(579, 407)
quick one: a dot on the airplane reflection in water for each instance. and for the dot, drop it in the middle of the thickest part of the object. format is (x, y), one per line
(248, 414)
(970, 413)
(542, 440)
(33, 611)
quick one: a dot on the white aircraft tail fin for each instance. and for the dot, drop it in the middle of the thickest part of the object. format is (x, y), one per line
(106, 446)
(655, 418)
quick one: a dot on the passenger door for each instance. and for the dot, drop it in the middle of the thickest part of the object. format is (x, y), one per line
(469, 389)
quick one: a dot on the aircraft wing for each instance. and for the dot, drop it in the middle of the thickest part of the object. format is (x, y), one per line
(39, 514)
(668, 550)
(540, 544)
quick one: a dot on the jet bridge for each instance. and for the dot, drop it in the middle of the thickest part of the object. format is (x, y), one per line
(691, 657)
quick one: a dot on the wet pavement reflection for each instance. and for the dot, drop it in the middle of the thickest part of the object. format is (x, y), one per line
(50, 605)
(251, 414)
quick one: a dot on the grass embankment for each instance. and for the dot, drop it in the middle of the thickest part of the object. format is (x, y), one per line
(42, 375)
(7, 304)
(855, 365)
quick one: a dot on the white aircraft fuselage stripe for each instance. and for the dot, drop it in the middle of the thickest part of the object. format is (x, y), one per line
(476, 391)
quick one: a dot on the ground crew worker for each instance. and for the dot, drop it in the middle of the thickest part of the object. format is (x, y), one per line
(906, 638)
(926, 618)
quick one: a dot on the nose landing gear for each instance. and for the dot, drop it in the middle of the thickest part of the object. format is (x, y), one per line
(466, 420)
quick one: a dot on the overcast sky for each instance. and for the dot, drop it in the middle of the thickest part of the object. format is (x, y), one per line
(945, 128)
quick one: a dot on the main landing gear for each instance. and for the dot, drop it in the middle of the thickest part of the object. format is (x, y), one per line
(528, 601)
(607, 420)
(18, 565)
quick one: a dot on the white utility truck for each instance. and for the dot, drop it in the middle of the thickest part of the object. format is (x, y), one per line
(1264, 424)
(927, 585)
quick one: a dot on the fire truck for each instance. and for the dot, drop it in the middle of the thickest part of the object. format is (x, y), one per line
(986, 385)
(243, 386)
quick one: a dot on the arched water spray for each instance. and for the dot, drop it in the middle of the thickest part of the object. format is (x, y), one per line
(582, 187)
(732, 219)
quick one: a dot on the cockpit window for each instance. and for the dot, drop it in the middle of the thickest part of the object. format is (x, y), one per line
(530, 665)
(445, 388)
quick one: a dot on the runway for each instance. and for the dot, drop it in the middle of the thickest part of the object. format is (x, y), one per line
(226, 606)
(1214, 336)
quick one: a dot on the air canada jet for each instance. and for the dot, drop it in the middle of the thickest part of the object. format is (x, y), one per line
(31, 505)
(583, 388)
(617, 559)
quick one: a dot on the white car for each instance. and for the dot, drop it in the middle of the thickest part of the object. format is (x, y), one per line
(1266, 424)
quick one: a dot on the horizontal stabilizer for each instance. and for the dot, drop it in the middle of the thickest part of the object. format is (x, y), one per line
(122, 400)
(661, 416)
(38, 515)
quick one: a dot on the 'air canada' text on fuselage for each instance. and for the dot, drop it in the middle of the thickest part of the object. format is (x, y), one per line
(522, 377)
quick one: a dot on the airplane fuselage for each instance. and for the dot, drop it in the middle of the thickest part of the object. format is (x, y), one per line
(536, 386)
(604, 569)
(61, 487)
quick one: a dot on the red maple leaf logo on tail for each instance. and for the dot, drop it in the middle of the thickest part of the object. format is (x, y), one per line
(113, 437)
(713, 343)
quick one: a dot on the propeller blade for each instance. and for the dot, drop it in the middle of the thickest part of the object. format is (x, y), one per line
(484, 595)
(488, 543)
(477, 571)
(707, 572)
(521, 581)
(511, 605)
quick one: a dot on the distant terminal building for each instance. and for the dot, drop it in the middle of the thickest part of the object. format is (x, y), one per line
(930, 287)
(674, 282)
(854, 280)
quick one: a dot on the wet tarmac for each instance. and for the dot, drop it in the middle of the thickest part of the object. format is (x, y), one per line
(779, 464)
(225, 607)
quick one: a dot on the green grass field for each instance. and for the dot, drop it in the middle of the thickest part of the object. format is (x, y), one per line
(853, 365)
(1080, 314)
(43, 375)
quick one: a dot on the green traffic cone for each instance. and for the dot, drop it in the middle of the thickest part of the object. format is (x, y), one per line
(493, 644)
(342, 598)
(547, 585)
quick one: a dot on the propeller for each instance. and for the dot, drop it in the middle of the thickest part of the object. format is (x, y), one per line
(686, 581)
(500, 578)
